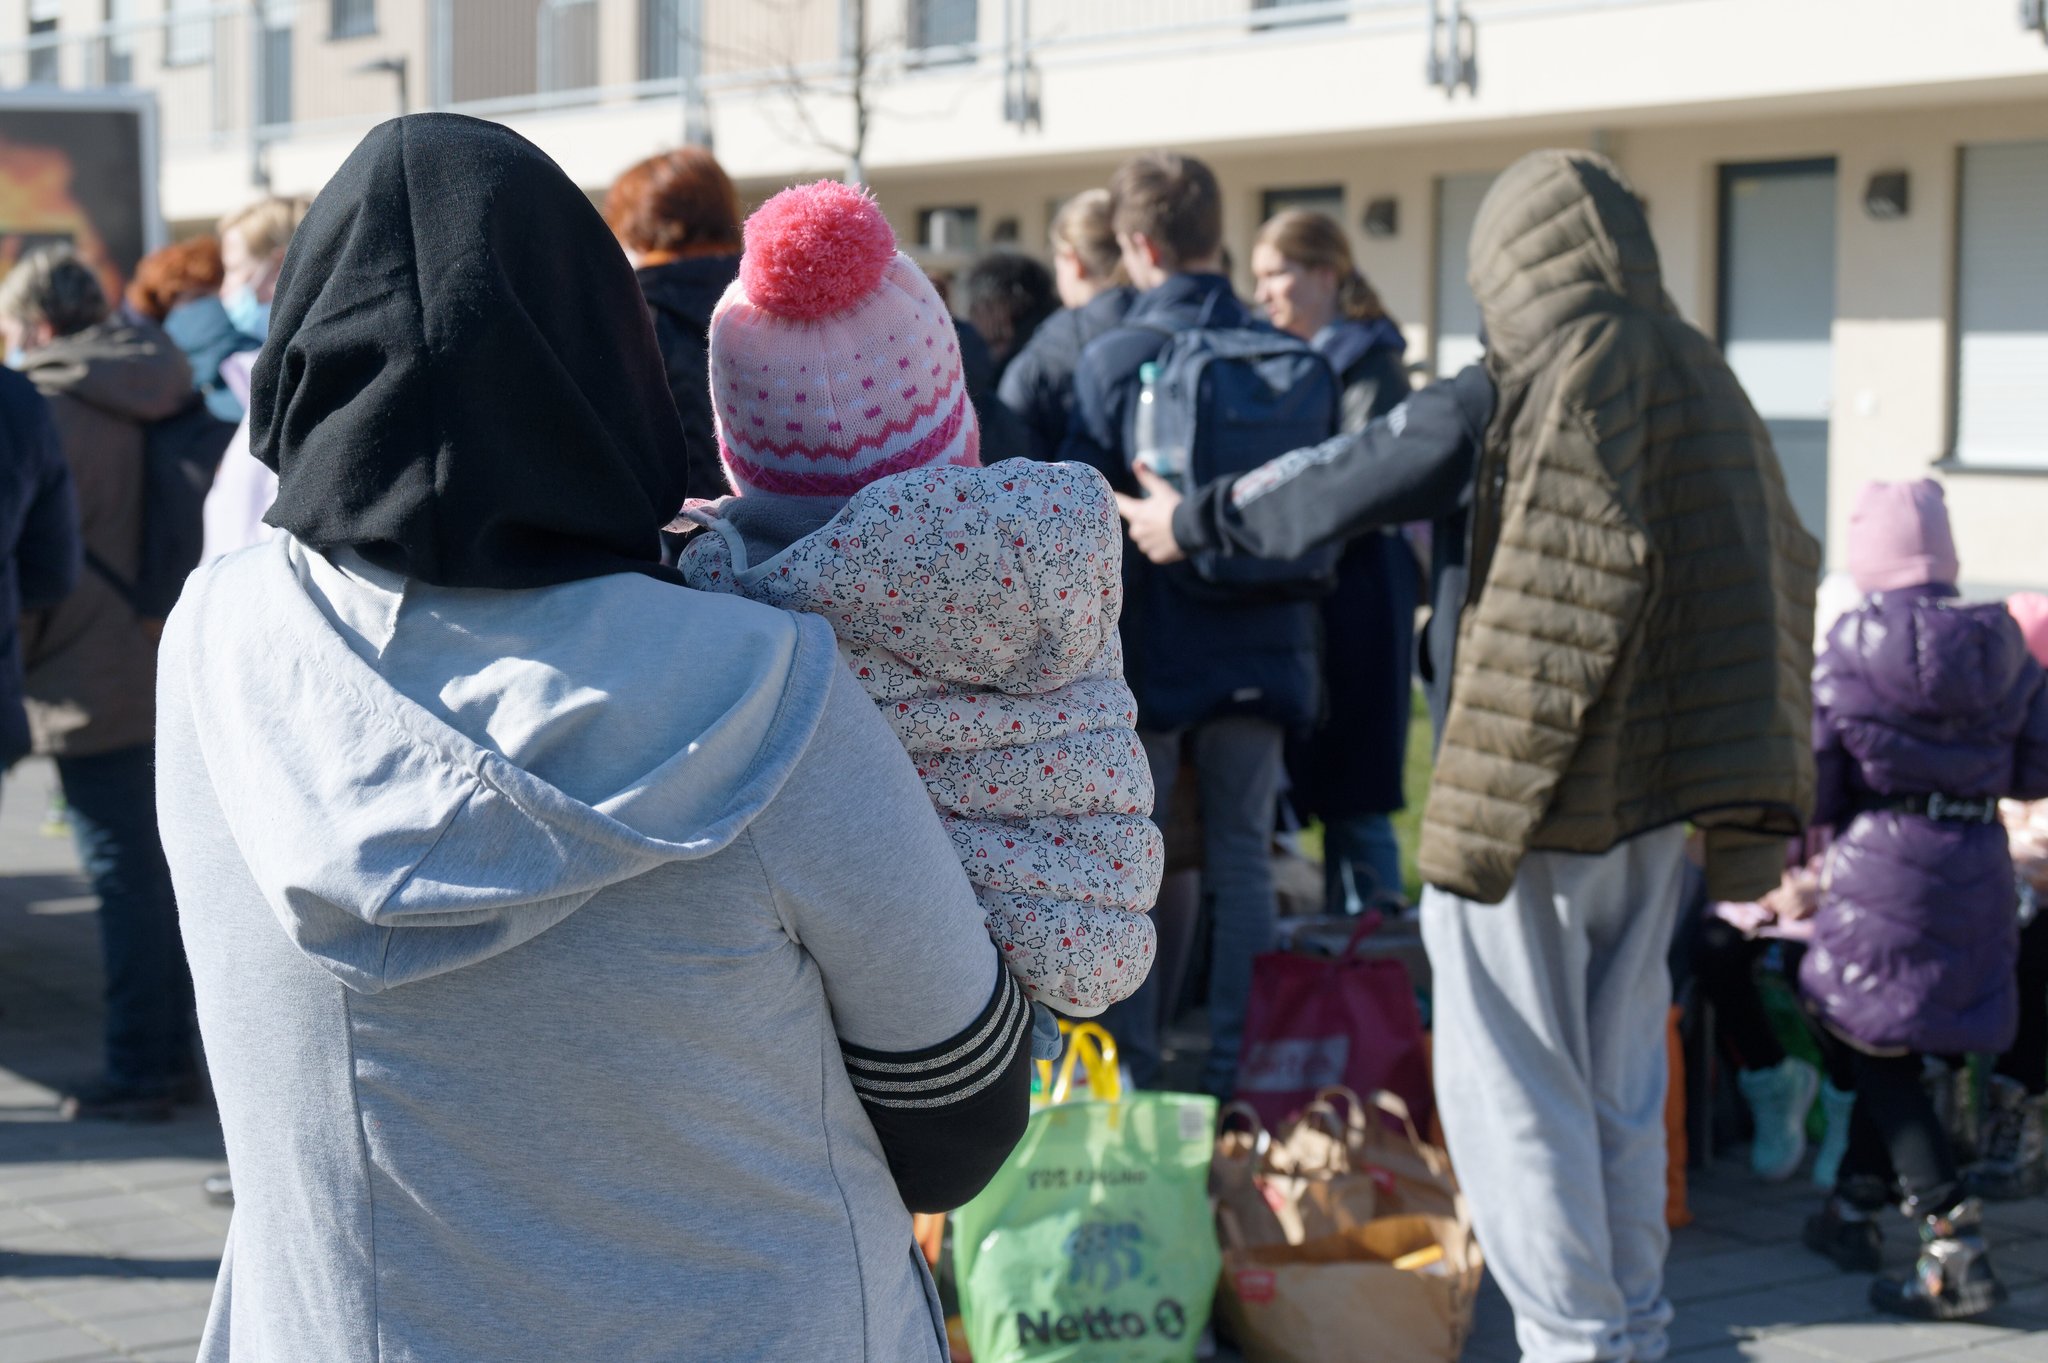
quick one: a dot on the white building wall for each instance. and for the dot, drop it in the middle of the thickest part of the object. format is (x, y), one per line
(1673, 89)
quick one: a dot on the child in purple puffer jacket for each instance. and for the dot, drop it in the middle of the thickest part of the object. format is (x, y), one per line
(1926, 712)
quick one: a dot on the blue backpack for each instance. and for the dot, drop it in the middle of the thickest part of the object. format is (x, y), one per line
(1235, 397)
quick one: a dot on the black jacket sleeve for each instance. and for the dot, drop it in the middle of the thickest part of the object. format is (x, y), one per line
(47, 556)
(948, 1116)
(1412, 464)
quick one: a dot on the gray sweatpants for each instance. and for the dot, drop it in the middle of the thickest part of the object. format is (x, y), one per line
(1550, 1073)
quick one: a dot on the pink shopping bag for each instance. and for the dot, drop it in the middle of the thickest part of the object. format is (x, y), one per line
(1314, 1021)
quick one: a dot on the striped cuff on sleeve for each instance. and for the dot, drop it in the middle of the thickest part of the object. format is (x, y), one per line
(953, 1071)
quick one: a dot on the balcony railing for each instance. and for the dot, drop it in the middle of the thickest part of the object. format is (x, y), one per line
(224, 75)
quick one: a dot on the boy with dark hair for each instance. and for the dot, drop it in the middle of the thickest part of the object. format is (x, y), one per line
(1218, 679)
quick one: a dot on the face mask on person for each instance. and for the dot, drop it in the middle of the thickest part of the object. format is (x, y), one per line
(16, 357)
(250, 317)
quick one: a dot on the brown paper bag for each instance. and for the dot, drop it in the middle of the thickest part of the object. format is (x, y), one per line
(1340, 1298)
(1414, 1177)
(1297, 1187)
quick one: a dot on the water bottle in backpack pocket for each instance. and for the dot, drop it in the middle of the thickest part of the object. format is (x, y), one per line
(1225, 400)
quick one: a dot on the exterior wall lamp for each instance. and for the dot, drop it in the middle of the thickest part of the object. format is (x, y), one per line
(1885, 197)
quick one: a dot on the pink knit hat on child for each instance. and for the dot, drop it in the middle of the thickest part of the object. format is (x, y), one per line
(833, 362)
(2031, 610)
(1899, 537)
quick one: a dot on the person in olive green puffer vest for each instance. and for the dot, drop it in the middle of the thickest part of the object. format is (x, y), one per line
(1637, 647)
(1634, 656)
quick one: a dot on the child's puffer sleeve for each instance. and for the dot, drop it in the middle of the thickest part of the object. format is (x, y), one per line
(1009, 578)
(995, 658)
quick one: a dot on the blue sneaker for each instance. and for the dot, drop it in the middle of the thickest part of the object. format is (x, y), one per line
(1827, 1165)
(1779, 1099)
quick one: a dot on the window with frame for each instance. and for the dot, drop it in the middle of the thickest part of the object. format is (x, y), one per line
(1325, 199)
(117, 49)
(1456, 340)
(661, 39)
(1284, 20)
(188, 37)
(351, 18)
(943, 23)
(2001, 416)
(44, 59)
(949, 230)
(274, 75)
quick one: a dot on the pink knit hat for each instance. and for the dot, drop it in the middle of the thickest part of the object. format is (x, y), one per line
(833, 362)
(1899, 537)
(2031, 610)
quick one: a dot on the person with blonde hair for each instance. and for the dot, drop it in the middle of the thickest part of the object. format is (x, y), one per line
(1088, 272)
(253, 242)
(252, 246)
(1348, 771)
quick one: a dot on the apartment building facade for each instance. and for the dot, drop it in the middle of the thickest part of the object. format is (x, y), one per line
(1852, 195)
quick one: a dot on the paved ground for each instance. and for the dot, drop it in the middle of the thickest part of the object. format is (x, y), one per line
(108, 1249)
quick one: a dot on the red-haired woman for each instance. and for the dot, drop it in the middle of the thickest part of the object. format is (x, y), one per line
(178, 288)
(678, 218)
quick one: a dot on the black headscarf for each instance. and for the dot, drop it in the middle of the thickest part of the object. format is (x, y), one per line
(461, 380)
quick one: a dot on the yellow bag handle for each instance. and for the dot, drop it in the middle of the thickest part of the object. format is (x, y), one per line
(1090, 1046)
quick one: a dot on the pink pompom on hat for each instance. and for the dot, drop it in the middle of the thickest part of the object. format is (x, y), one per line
(2031, 610)
(833, 361)
(1899, 537)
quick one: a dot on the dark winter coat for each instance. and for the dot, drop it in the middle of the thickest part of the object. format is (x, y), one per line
(1188, 656)
(1351, 763)
(91, 661)
(1917, 935)
(1038, 385)
(1002, 435)
(680, 296)
(39, 545)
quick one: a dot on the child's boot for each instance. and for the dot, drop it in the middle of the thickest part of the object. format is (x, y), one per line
(1952, 1279)
(1845, 1230)
(2014, 1150)
(1779, 1099)
(1838, 1107)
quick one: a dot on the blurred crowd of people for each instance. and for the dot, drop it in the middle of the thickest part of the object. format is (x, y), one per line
(1618, 650)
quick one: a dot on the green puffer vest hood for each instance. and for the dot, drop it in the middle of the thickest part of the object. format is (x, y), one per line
(1637, 644)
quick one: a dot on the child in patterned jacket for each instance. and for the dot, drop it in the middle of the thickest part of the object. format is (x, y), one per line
(978, 606)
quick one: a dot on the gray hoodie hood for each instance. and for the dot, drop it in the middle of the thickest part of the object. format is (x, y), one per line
(414, 795)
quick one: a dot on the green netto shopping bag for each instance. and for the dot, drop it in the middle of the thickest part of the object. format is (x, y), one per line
(1094, 1243)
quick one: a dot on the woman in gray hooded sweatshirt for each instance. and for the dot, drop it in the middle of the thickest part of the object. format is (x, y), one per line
(582, 970)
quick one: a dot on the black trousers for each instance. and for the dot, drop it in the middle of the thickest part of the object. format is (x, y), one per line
(1724, 963)
(1895, 1136)
(2027, 1060)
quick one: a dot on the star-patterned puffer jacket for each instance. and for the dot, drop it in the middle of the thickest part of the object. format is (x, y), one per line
(979, 606)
